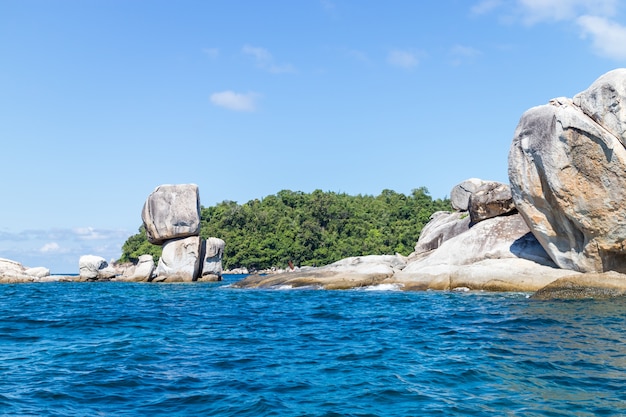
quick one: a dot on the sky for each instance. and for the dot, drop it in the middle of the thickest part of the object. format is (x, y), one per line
(101, 101)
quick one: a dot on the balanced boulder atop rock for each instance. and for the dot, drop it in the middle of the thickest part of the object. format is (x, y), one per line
(490, 199)
(567, 166)
(172, 212)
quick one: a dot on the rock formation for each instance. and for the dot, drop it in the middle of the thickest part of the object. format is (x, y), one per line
(172, 212)
(213, 251)
(180, 260)
(95, 268)
(142, 271)
(566, 168)
(14, 272)
(498, 253)
(171, 216)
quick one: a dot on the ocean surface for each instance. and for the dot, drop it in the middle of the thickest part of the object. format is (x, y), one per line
(122, 349)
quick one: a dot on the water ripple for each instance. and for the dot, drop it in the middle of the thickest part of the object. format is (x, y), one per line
(120, 349)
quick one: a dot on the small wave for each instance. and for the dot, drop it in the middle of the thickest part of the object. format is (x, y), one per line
(383, 287)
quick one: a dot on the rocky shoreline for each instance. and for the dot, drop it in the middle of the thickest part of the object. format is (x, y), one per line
(558, 229)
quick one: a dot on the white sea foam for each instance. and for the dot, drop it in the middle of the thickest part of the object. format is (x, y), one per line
(384, 287)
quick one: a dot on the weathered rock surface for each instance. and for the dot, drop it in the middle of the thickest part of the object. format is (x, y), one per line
(566, 168)
(592, 285)
(460, 194)
(212, 262)
(490, 199)
(180, 260)
(15, 272)
(172, 212)
(141, 272)
(347, 273)
(92, 268)
(442, 226)
(497, 254)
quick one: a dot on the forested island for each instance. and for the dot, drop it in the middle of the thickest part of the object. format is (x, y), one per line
(308, 229)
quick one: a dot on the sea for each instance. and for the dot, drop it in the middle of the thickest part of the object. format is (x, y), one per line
(207, 349)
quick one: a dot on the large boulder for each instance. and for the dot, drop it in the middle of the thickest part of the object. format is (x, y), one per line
(491, 199)
(566, 169)
(212, 259)
(172, 212)
(180, 260)
(460, 193)
(497, 254)
(93, 267)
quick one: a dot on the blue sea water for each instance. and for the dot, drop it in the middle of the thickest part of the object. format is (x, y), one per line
(122, 349)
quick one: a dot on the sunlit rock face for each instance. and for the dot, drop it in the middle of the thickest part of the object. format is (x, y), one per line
(172, 212)
(567, 171)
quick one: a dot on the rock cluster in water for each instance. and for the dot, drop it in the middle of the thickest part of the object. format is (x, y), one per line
(171, 218)
(559, 226)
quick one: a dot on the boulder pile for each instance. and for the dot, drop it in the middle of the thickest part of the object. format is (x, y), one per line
(171, 217)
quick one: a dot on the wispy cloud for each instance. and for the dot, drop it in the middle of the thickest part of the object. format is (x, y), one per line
(52, 247)
(235, 101)
(534, 11)
(406, 59)
(463, 53)
(594, 19)
(608, 38)
(264, 60)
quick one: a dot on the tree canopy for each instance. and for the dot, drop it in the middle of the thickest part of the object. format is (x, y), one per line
(314, 229)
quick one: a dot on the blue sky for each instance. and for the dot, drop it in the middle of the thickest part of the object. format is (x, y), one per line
(103, 100)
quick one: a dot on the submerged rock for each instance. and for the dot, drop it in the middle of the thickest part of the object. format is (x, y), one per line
(599, 286)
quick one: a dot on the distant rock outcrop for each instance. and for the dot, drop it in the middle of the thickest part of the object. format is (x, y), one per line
(567, 168)
(15, 272)
(171, 217)
(95, 268)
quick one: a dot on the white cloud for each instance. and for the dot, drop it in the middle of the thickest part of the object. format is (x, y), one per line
(235, 101)
(265, 60)
(607, 37)
(594, 18)
(535, 11)
(462, 53)
(51, 247)
(402, 59)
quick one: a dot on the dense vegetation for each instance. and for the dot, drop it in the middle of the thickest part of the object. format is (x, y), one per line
(315, 228)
